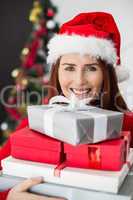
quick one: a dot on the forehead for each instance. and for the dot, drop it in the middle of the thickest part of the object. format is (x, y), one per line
(78, 58)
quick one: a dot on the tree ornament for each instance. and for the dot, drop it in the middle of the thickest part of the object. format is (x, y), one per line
(25, 51)
(24, 83)
(50, 12)
(15, 73)
(35, 12)
(50, 24)
(4, 126)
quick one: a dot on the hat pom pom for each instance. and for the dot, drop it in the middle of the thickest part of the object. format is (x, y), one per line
(122, 73)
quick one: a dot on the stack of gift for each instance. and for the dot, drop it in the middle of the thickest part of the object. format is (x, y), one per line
(72, 146)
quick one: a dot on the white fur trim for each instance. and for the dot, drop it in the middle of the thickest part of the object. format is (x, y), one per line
(99, 47)
(122, 73)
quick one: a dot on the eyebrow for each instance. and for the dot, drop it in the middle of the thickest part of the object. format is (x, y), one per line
(71, 64)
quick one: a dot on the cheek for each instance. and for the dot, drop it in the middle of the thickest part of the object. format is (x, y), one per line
(64, 80)
(96, 79)
(63, 83)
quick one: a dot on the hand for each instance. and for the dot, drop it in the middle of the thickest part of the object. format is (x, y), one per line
(19, 192)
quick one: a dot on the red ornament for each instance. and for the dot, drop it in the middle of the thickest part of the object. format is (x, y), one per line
(50, 12)
(15, 115)
(11, 100)
(42, 31)
(30, 58)
(45, 100)
(39, 69)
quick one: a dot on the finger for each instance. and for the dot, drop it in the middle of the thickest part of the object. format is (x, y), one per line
(50, 198)
(55, 199)
(25, 185)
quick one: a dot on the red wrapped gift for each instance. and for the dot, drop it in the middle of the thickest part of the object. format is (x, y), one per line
(30, 145)
(107, 155)
(128, 124)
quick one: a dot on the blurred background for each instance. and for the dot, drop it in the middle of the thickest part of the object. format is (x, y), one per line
(26, 27)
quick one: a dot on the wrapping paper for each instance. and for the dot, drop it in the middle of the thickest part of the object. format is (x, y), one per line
(27, 144)
(81, 126)
(108, 155)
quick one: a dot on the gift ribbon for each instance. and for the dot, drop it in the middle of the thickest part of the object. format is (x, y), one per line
(127, 139)
(94, 153)
(58, 168)
(76, 106)
(94, 160)
(73, 103)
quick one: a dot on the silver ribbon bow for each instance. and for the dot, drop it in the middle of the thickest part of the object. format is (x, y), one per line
(73, 103)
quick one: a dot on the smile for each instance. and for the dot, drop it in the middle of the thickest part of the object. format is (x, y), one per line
(81, 92)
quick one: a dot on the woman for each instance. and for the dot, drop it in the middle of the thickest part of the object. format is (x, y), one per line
(85, 60)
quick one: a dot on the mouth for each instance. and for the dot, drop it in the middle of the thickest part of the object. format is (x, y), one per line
(82, 92)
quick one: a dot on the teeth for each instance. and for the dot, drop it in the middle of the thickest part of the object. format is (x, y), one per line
(80, 91)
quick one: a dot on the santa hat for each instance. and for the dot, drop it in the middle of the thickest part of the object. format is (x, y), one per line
(93, 33)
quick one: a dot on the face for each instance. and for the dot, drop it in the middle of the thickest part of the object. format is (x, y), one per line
(81, 75)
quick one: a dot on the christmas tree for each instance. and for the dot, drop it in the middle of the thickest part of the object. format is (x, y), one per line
(31, 77)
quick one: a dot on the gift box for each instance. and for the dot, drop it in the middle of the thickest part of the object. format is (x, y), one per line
(108, 155)
(80, 126)
(30, 145)
(128, 124)
(98, 180)
(70, 193)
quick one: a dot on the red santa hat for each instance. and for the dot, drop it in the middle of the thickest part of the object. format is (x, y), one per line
(93, 33)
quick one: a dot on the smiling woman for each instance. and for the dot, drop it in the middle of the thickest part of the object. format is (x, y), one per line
(85, 61)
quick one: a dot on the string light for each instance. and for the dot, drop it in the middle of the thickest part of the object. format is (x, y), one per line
(24, 82)
(4, 126)
(15, 73)
(25, 51)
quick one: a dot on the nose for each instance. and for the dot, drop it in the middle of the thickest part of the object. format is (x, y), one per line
(80, 79)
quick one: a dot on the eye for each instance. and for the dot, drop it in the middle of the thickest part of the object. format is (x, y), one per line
(91, 68)
(69, 68)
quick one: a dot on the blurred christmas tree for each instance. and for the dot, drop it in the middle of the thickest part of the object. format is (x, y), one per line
(31, 76)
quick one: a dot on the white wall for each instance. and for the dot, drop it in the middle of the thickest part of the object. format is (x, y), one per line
(122, 10)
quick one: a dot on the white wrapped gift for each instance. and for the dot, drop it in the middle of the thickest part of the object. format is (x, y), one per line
(78, 125)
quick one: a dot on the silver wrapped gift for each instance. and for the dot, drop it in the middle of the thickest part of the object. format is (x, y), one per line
(75, 126)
